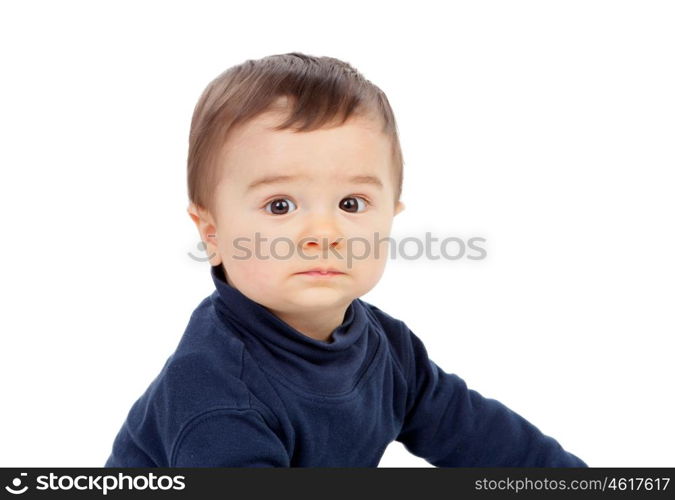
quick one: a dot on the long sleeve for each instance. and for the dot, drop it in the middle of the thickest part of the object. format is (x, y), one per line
(450, 425)
(228, 438)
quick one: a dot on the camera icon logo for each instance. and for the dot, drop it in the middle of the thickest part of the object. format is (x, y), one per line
(16, 483)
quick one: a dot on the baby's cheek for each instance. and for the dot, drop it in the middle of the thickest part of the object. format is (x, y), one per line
(252, 276)
(371, 245)
(253, 268)
(365, 276)
(244, 248)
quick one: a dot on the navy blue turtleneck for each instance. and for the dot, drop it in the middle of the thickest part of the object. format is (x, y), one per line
(245, 389)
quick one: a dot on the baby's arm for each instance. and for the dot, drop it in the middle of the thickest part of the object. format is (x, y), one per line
(228, 437)
(450, 425)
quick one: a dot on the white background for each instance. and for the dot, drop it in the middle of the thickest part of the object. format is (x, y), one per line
(546, 127)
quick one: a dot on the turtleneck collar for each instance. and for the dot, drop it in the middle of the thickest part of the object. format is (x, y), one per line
(327, 368)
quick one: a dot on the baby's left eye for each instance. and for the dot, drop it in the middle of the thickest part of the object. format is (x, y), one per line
(353, 203)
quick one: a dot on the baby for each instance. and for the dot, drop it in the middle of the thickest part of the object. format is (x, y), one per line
(294, 177)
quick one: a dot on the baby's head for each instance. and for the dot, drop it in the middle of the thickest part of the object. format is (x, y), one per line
(294, 163)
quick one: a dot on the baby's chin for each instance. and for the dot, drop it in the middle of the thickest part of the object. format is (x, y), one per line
(312, 300)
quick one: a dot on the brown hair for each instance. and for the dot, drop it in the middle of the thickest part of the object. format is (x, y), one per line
(320, 90)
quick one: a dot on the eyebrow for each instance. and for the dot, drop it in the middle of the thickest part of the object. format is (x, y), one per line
(278, 179)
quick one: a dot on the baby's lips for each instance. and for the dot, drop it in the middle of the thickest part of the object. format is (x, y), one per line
(321, 269)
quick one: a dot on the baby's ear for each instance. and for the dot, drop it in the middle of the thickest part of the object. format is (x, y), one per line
(400, 206)
(196, 214)
(202, 220)
(207, 232)
(192, 212)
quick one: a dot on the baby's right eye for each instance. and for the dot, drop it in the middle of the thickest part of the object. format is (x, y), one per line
(279, 206)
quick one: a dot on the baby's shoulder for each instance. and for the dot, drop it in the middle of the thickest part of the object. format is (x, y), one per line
(207, 364)
(395, 330)
(388, 322)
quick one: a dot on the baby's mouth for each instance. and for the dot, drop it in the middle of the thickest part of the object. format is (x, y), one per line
(321, 272)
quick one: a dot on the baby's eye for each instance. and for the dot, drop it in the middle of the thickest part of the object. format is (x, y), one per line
(280, 206)
(353, 204)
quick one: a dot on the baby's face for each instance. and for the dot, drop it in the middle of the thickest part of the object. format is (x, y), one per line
(335, 201)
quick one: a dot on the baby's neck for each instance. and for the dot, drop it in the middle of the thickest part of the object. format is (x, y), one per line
(316, 325)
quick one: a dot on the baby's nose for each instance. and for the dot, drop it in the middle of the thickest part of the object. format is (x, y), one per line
(322, 242)
(322, 232)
